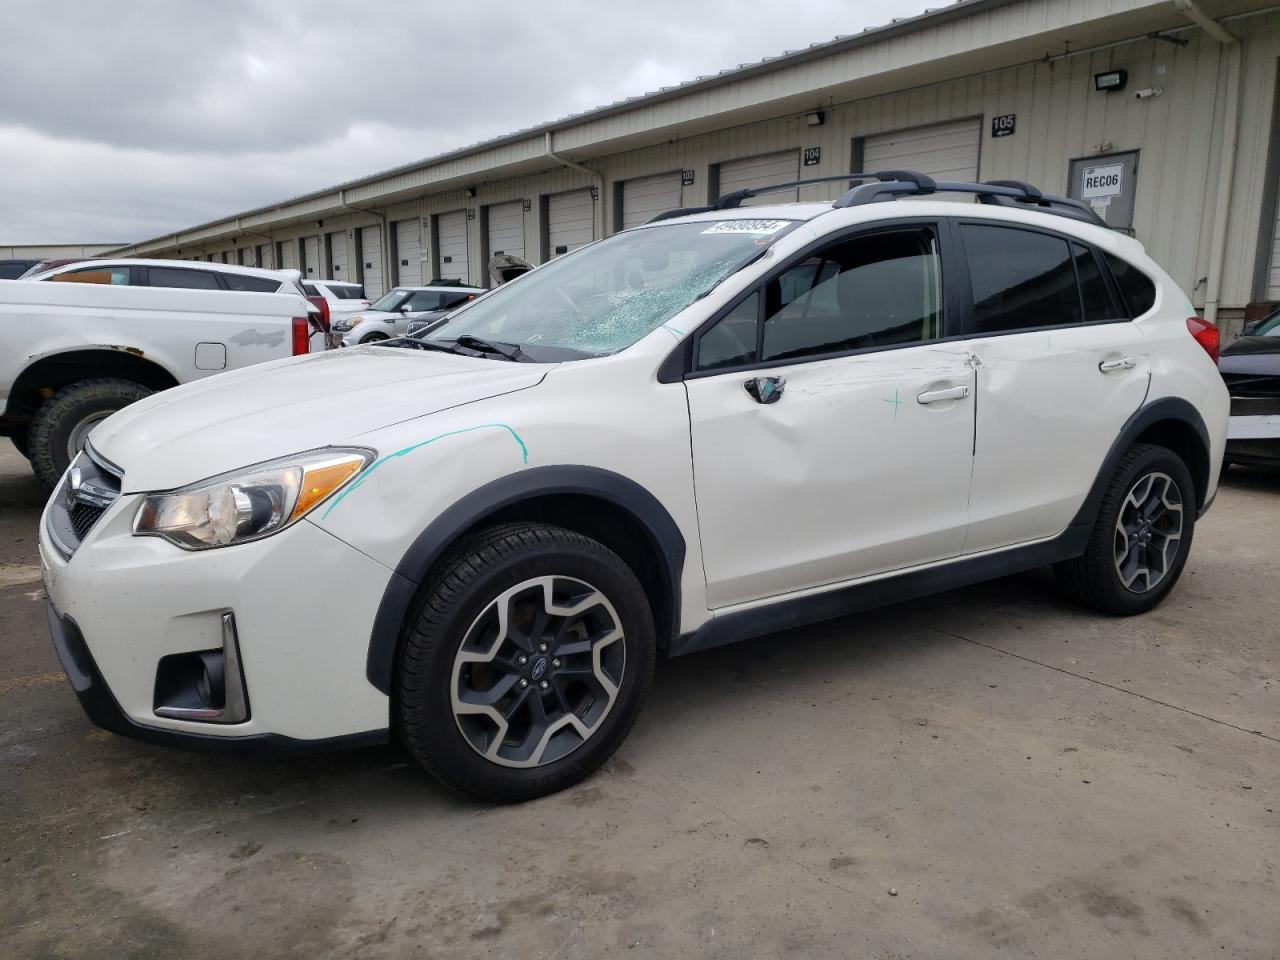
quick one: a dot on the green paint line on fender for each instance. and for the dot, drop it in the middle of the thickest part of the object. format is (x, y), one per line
(524, 453)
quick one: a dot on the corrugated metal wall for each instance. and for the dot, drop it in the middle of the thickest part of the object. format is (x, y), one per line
(1059, 117)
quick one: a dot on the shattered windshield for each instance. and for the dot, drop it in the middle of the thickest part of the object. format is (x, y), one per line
(606, 296)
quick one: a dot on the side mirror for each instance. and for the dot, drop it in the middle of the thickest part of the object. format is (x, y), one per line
(405, 309)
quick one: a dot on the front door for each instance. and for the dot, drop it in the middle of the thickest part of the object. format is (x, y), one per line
(1060, 368)
(832, 431)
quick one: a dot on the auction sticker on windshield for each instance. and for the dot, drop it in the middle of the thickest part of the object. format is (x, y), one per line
(753, 227)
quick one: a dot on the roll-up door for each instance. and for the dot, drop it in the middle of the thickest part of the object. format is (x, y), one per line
(408, 235)
(338, 256)
(311, 257)
(240, 256)
(371, 262)
(645, 198)
(944, 151)
(570, 221)
(451, 238)
(506, 228)
(761, 172)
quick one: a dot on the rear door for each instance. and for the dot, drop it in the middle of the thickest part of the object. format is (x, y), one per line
(1061, 367)
(832, 420)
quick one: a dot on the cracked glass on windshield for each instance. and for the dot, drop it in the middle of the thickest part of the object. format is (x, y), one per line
(606, 296)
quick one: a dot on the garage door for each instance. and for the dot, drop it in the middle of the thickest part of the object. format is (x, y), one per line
(451, 234)
(338, 269)
(645, 198)
(506, 228)
(760, 172)
(944, 151)
(408, 252)
(311, 257)
(371, 262)
(570, 221)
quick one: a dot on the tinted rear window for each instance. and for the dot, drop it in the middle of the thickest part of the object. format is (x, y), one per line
(239, 281)
(1136, 288)
(1021, 280)
(347, 293)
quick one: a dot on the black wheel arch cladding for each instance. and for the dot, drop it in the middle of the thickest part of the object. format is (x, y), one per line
(665, 543)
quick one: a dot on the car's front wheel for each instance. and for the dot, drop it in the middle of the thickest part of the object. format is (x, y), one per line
(526, 663)
(1141, 537)
(373, 338)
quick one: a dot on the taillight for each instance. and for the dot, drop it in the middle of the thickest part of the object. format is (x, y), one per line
(301, 336)
(1206, 335)
(323, 305)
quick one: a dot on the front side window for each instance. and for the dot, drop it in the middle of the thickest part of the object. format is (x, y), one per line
(873, 291)
(604, 297)
(424, 300)
(184, 279)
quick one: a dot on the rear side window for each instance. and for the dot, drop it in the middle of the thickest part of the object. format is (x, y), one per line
(240, 281)
(347, 293)
(1136, 288)
(1020, 280)
(184, 279)
(312, 290)
(424, 300)
(1095, 297)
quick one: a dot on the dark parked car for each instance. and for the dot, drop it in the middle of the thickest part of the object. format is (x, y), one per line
(1251, 368)
(13, 269)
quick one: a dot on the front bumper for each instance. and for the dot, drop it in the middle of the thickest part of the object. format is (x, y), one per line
(121, 604)
(103, 710)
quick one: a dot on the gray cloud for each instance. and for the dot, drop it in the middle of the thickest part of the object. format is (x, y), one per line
(123, 121)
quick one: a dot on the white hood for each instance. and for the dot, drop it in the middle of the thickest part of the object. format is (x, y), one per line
(269, 410)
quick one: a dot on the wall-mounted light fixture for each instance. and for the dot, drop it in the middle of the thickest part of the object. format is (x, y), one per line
(815, 119)
(469, 192)
(1111, 81)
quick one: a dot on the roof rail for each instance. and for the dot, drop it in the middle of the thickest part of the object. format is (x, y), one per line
(1007, 193)
(890, 184)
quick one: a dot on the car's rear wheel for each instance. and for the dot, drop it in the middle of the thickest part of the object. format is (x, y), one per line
(526, 663)
(63, 423)
(1141, 537)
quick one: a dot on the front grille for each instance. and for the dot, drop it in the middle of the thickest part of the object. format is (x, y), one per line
(83, 517)
(88, 489)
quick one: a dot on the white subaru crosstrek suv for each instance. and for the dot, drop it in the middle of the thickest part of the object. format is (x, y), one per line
(717, 425)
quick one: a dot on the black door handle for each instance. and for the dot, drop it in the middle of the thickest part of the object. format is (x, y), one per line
(765, 389)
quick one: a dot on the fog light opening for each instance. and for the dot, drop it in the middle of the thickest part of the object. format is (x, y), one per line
(205, 685)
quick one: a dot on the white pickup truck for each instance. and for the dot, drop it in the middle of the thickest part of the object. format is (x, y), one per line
(82, 341)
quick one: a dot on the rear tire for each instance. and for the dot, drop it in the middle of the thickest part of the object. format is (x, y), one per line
(1141, 536)
(505, 707)
(64, 421)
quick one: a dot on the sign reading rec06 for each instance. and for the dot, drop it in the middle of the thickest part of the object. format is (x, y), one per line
(1108, 184)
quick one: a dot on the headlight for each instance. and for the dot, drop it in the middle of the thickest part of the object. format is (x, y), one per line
(346, 323)
(248, 504)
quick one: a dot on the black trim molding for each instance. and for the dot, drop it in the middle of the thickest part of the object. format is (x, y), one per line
(101, 707)
(663, 532)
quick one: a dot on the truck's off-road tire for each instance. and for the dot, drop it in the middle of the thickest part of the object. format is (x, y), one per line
(64, 420)
(525, 663)
(1141, 537)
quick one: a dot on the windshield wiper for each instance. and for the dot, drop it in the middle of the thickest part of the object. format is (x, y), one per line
(508, 350)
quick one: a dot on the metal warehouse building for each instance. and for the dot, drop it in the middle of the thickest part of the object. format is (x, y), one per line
(1161, 114)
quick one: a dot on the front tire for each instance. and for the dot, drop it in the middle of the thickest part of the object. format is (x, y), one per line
(1141, 536)
(61, 426)
(373, 338)
(526, 663)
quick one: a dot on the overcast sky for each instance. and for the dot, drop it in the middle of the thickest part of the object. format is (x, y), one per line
(122, 121)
